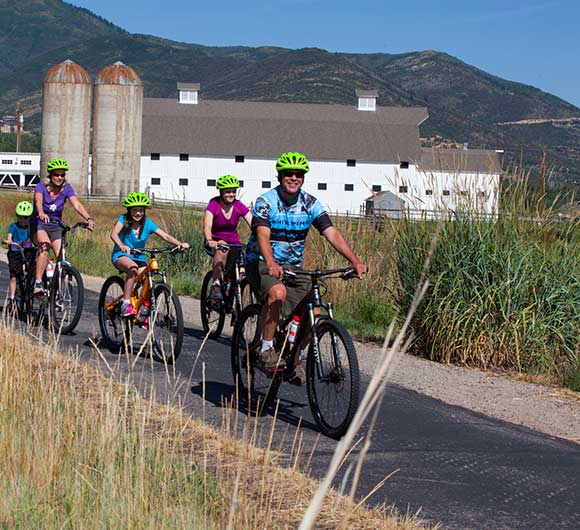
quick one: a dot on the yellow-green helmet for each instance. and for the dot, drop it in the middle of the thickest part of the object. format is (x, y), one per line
(57, 163)
(292, 161)
(136, 198)
(24, 209)
(226, 182)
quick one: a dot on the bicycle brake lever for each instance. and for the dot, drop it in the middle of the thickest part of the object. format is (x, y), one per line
(349, 274)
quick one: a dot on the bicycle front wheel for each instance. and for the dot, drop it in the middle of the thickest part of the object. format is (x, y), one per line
(255, 389)
(213, 312)
(333, 390)
(110, 320)
(66, 299)
(166, 324)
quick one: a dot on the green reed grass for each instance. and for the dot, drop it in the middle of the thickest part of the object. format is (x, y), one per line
(504, 294)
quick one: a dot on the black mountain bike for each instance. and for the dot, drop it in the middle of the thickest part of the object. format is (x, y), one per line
(65, 289)
(235, 293)
(24, 281)
(332, 373)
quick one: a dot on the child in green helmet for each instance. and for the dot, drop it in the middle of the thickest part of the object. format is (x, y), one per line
(20, 250)
(131, 231)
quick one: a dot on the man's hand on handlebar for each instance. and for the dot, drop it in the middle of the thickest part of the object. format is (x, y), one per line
(360, 269)
(275, 270)
(183, 245)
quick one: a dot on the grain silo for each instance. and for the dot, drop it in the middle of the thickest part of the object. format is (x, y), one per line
(66, 117)
(117, 123)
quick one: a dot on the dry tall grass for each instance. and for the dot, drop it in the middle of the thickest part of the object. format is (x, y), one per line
(78, 449)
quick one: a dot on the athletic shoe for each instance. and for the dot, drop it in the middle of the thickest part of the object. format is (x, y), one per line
(38, 289)
(271, 360)
(127, 309)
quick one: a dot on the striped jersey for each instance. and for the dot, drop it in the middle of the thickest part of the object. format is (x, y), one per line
(288, 223)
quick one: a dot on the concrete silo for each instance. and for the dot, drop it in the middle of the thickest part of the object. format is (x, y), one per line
(117, 124)
(66, 119)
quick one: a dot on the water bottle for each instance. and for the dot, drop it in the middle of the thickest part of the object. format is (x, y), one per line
(49, 269)
(293, 329)
(143, 311)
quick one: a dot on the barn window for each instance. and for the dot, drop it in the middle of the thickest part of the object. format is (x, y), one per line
(26, 162)
(446, 193)
(266, 184)
(241, 183)
(404, 164)
(428, 192)
(403, 189)
(155, 156)
(349, 187)
(7, 162)
(183, 182)
(155, 181)
(351, 163)
(211, 182)
(322, 185)
(240, 159)
(376, 187)
(184, 157)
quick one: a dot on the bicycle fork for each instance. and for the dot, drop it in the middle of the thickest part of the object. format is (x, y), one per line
(316, 344)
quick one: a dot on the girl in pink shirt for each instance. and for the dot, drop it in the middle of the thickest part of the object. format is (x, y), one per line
(220, 225)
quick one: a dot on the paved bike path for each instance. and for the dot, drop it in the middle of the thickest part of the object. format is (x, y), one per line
(460, 468)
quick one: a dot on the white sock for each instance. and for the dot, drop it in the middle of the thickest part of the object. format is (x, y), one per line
(267, 344)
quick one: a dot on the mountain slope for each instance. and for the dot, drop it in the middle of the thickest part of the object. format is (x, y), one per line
(465, 103)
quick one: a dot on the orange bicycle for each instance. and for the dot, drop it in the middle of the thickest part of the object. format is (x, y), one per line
(157, 310)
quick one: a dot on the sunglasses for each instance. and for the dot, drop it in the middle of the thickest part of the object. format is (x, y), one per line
(297, 174)
(59, 174)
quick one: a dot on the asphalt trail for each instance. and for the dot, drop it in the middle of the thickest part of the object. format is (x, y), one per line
(460, 468)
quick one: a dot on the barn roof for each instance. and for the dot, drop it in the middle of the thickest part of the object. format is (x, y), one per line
(265, 129)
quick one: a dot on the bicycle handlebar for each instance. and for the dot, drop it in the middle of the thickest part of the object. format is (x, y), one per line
(228, 246)
(153, 251)
(67, 228)
(346, 273)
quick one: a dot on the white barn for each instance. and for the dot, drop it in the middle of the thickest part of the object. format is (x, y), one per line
(354, 151)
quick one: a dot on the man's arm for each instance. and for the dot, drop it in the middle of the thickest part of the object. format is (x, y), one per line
(265, 247)
(336, 239)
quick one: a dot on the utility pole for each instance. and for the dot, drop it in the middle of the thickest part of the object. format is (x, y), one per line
(18, 124)
(542, 183)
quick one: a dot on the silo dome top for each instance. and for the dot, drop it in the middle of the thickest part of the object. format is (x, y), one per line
(67, 72)
(118, 74)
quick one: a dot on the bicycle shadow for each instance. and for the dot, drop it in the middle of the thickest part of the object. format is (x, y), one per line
(220, 394)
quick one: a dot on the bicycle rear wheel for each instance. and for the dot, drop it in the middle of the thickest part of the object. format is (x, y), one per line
(66, 299)
(110, 319)
(333, 394)
(255, 389)
(212, 312)
(35, 306)
(166, 324)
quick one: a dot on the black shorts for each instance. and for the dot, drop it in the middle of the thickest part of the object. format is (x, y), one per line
(16, 261)
(232, 256)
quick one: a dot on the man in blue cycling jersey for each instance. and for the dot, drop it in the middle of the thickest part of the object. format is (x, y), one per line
(280, 222)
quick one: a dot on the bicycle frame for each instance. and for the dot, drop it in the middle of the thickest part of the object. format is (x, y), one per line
(144, 279)
(306, 307)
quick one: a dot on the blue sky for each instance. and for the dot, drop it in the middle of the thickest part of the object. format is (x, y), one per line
(534, 42)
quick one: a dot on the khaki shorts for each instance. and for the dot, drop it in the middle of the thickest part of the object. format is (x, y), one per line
(262, 282)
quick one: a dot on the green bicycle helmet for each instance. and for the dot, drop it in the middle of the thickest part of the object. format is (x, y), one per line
(136, 198)
(24, 209)
(226, 182)
(292, 161)
(57, 163)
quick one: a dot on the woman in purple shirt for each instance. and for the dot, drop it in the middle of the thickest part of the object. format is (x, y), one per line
(220, 225)
(49, 199)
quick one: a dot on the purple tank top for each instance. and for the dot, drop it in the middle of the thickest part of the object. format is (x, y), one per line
(226, 229)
